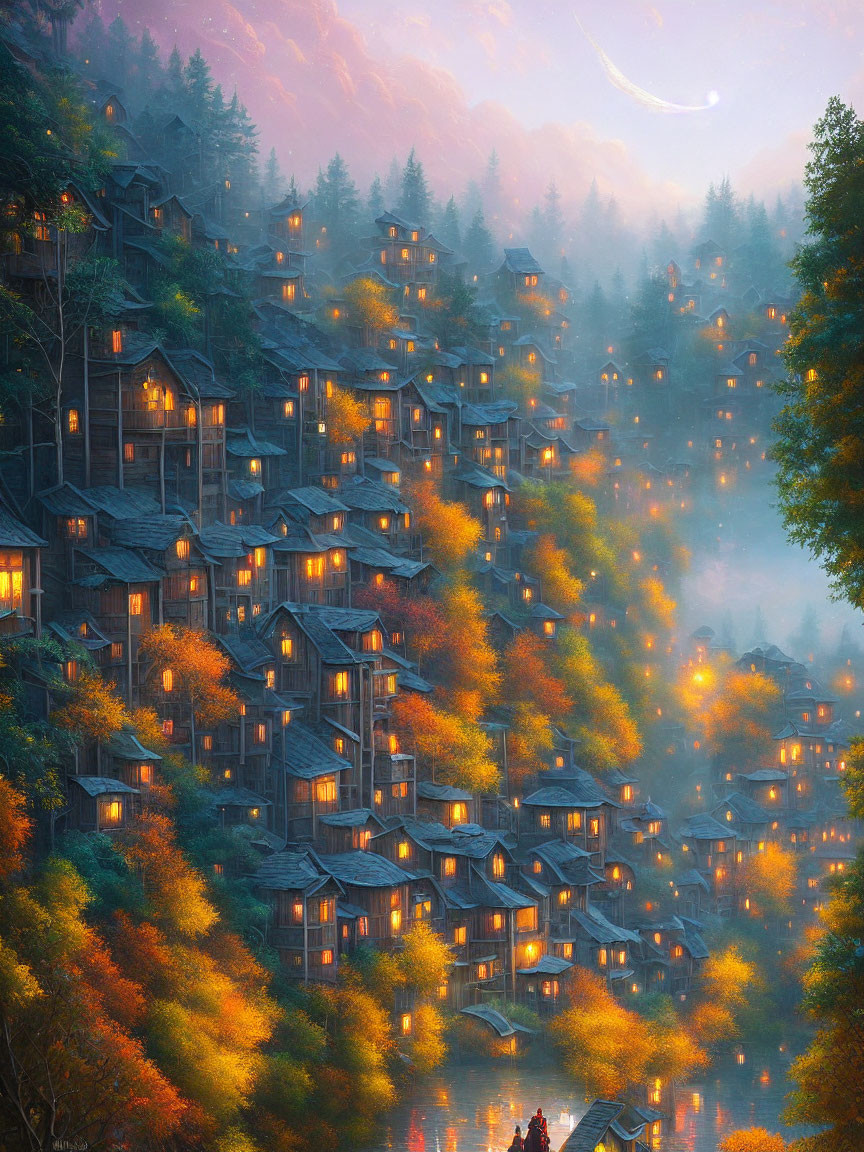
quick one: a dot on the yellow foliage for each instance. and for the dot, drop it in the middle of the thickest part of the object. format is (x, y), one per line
(769, 880)
(368, 304)
(518, 383)
(93, 711)
(425, 958)
(176, 892)
(560, 587)
(607, 1047)
(602, 719)
(467, 664)
(428, 1049)
(347, 417)
(530, 736)
(450, 533)
(752, 1140)
(658, 604)
(457, 751)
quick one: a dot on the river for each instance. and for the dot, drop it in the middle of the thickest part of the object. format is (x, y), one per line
(474, 1108)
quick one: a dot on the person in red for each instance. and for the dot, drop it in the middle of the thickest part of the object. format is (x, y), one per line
(537, 1139)
(541, 1123)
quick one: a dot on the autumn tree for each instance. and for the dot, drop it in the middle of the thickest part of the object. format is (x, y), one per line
(560, 587)
(418, 616)
(752, 1140)
(15, 829)
(92, 710)
(769, 881)
(450, 533)
(71, 1064)
(466, 664)
(737, 712)
(602, 721)
(728, 982)
(608, 1048)
(347, 417)
(519, 383)
(453, 750)
(368, 306)
(198, 670)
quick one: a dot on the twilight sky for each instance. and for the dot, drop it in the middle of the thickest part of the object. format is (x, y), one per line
(458, 77)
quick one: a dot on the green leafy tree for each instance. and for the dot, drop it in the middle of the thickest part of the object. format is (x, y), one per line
(819, 450)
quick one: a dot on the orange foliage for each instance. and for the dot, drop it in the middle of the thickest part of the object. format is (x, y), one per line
(560, 587)
(752, 1140)
(457, 751)
(588, 470)
(419, 617)
(176, 892)
(199, 668)
(450, 533)
(93, 711)
(15, 828)
(527, 677)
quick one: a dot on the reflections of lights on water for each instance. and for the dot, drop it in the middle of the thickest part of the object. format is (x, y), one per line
(475, 1108)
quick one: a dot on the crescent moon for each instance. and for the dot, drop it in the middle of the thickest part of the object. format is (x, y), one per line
(647, 99)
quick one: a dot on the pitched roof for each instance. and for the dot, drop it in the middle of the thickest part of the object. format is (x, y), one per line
(521, 262)
(559, 797)
(593, 1126)
(705, 827)
(426, 790)
(742, 808)
(14, 534)
(365, 870)
(307, 756)
(122, 564)
(100, 785)
(287, 871)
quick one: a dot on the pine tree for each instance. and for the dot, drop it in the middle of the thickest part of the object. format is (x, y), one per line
(273, 184)
(199, 88)
(819, 445)
(375, 200)
(478, 246)
(393, 185)
(119, 52)
(337, 205)
(449, 227)
(148, 68)
(414, 199)
(722, 214)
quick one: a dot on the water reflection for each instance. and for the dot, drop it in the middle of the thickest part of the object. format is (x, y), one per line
(475, 1109)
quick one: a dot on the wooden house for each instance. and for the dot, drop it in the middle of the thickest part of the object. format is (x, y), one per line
(348, 830)
(20, 577)
(312, 782)
(242, 564)
(391, 898)
(100, 804)
(612, 1126)
(303, 926)
(519, 275)
(120, 590)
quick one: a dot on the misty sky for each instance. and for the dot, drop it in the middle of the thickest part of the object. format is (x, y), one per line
(456, 78)
(773, 65)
